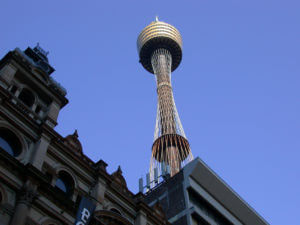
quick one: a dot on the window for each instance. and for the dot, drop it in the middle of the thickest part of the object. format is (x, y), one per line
(13, 89)
(78, 200)
(10, 142)
(65, 183)
(38, 109)
(49, 221)
(115, 211)
(27, 97)
(60, 183)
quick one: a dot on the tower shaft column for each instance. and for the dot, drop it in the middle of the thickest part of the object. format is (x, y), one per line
(161, 63)
(166, 110)
(169, 152)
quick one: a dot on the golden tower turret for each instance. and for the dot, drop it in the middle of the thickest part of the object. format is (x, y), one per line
(160, 52)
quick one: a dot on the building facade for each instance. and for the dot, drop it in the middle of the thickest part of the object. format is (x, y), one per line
(44, 176)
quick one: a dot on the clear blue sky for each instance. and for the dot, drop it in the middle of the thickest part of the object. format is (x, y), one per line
(236, 90)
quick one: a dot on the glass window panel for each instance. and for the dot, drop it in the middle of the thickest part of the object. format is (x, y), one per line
(61, 185)
(5, 145)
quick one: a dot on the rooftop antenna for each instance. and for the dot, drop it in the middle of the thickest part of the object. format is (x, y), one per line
(141, 185)
(156, 19)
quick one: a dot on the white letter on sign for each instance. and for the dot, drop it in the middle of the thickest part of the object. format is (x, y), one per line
(85, 215)
(79, 223)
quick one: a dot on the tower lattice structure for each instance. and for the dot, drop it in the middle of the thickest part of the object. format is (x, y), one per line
(160, 52)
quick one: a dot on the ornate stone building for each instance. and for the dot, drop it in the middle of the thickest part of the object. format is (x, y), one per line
(44, 176)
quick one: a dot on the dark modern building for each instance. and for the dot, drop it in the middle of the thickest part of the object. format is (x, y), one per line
(197, 196)
(44, 176)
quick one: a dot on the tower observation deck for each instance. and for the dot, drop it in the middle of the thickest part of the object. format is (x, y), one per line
(160, 52)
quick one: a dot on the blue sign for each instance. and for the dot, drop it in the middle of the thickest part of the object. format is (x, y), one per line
(85, 211)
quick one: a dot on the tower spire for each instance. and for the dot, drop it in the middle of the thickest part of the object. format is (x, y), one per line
(160, 52)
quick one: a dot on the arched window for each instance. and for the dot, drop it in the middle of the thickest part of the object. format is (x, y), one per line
(60, 183)
(110, 217)
(48, 221)
(115, 211)
(10, 142)
(27, 97)
(65, 183)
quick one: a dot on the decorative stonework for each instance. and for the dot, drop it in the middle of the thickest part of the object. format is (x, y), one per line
(72, 142)
(101, 165)
(109, 217)
(27, 196)
(118, 179)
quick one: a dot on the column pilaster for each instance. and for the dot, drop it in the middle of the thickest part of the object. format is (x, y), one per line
(25, 199)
